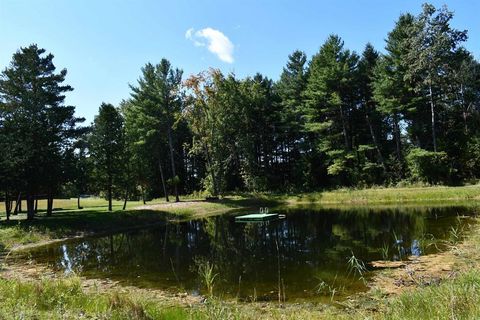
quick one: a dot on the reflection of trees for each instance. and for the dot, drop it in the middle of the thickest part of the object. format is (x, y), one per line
(312, 243)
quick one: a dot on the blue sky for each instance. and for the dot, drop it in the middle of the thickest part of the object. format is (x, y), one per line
(103, 44)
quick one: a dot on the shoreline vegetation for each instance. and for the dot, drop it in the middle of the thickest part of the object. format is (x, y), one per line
(56, 296)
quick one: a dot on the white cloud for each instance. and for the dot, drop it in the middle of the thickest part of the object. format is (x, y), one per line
(189, 33)
(216, 42)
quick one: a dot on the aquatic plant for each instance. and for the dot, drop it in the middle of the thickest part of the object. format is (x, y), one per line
(207, 275)
(356, 266)
(398, 245)
(426, 241)
(455, 235)
(324, 288)
(385, 249)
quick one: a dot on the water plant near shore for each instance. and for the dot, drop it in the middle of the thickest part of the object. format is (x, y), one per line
(206, 273)
(357, 267)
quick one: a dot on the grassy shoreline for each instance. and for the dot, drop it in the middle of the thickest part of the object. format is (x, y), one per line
(68, 298)
(393, 195)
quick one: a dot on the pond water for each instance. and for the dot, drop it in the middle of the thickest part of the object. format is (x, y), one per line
(305, 255)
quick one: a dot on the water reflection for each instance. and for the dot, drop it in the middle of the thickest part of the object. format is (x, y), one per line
(302, 253)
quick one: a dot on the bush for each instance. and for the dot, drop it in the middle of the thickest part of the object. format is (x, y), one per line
(428, 166)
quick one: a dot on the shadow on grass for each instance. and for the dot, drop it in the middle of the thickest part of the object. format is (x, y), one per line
(90, 221)
(250, 202)
(76, 222)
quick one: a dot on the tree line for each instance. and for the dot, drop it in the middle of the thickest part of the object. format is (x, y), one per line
(339, 118)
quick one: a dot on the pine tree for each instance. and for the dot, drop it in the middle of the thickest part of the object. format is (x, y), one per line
(158, 101)
(38, 127)
(289, 89)
(328, 104)
(433, 47)
(107, 149)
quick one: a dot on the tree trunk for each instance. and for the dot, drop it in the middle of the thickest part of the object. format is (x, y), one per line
(432, 110)
(36, 204)
(344, 129)
(109, 193)
(78, 202)
(8, 206)
(30, 207)
(18, 204)
(396, 129)
(49, 205)
(212, 173)
(172, 161)
(126, 199)
(143, 195)
(374, 139)
(465, 110)
(163, 181)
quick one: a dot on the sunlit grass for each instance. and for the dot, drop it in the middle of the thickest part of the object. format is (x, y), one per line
(65, 299)
(453, 299)
(393, 195)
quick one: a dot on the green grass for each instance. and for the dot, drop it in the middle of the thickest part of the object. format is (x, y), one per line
(65, 299)
(88, 203)
(454, 299)
(73, 223)
(392, 195)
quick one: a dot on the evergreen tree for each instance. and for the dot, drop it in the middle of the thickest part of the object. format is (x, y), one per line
(392, 93)
(37, 127)
(370, 128)
(157, 102)
(289, 89)
(329, 104)
(107, 150)
(433, 48)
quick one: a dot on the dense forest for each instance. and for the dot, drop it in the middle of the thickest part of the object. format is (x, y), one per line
(407, 114)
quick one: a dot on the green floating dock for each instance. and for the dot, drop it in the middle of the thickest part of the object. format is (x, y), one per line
(257, 217)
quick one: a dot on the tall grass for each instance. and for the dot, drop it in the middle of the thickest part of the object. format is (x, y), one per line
(454, 299)
(394, 195)
(207, 275)
(65, 299)
(357, 267)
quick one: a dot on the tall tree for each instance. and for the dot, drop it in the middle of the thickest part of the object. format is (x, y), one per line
(290, 88)
(38, 126)
(158, 102)
(434, 44)
(207, 111)
(391, 92)
(328, 103)
(107, 146)
(367, 66)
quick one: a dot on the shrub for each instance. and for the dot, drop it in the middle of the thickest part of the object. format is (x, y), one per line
(428, 166)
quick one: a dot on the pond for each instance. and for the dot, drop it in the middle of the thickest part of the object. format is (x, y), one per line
(304, 256)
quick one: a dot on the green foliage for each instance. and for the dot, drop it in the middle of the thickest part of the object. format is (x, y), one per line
(155, 126)
(37, 129)
(428, 166)
(335, 119)
(107, 149)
